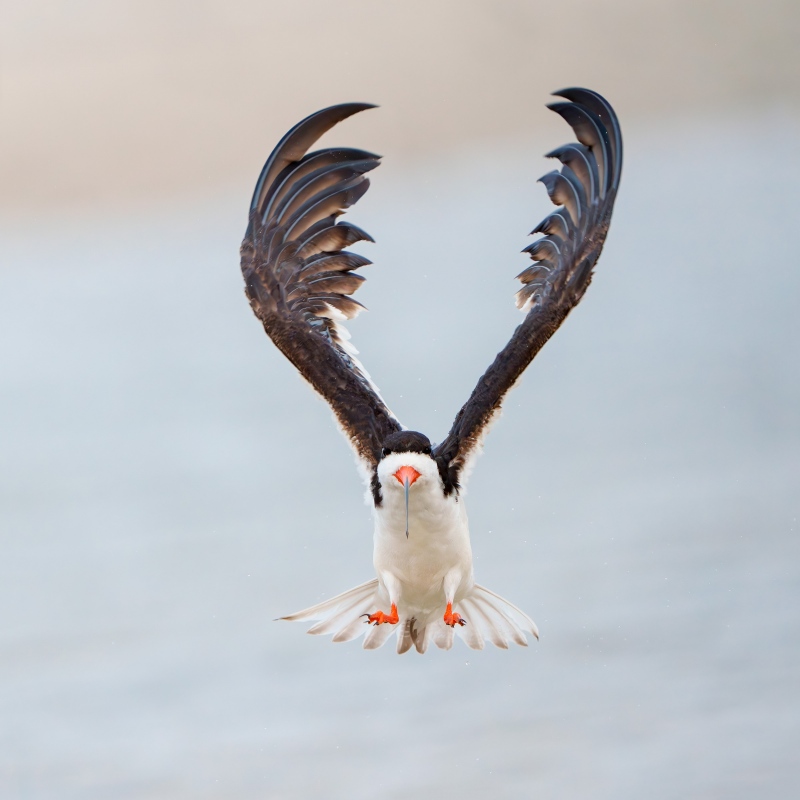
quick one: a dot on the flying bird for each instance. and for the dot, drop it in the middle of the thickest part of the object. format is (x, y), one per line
(299, 279)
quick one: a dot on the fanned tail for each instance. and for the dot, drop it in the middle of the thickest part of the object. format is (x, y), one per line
(492, 617)
(488, 616)
(343, 615)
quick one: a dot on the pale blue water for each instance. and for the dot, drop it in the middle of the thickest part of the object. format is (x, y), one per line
(639, 498)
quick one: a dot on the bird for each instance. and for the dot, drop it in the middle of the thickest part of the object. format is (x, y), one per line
(299, 279)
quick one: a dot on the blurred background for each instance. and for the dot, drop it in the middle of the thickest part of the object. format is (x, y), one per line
(639, 498)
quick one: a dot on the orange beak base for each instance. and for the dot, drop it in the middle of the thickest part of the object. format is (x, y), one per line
(407, 473)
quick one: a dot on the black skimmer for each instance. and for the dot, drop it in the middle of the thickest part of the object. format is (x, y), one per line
(299, 279)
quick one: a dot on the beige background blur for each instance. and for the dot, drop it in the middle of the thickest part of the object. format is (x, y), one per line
(112, 101)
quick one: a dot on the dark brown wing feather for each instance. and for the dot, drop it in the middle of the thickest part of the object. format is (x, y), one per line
(564, 257)
(299, 278)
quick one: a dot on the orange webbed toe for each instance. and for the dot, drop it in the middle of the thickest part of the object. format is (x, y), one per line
(378, 618)
(451, 618)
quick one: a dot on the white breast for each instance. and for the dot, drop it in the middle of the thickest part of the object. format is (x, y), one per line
(437, 547)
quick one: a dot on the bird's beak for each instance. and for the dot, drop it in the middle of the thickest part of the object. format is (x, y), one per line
(407, 476)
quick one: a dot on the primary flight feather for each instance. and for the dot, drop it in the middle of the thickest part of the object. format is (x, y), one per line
(299, 279)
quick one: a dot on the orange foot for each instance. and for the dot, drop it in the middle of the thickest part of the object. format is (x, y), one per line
(451, 618)
(379, 617)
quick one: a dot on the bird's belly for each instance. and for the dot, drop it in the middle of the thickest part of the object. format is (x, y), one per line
(436, 545)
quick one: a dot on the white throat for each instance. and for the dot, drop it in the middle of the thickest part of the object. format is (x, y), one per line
(429, 511)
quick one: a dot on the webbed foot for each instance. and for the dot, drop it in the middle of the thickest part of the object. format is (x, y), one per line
(378, 618)
(451, 618)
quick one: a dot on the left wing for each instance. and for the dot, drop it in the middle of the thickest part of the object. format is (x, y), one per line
(299, 278)
(585, 190)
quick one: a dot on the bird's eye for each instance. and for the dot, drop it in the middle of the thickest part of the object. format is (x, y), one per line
(386, 451)
(428, 451)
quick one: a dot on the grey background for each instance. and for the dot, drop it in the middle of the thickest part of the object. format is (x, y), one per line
(168, 485)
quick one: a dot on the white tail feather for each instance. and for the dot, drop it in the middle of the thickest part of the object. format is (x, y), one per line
(351, 631)
(503, 624)
(471, 632)
(319, 610)
(377, 635)
(488, 616)
(502, 604)
(424, 637)
(488, 627)
(405, 640)
(443, 635)
(341, 617)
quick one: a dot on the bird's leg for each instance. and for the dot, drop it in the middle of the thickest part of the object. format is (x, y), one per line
(379, 617)
(451, 618)
(393, 589)
(450, 583)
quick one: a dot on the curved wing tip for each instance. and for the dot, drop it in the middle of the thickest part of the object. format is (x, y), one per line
(355, 106)
(554, 173)
(573, 95)
(568, 90)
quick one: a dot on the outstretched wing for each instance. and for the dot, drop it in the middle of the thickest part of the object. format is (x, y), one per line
(299, 278)
(564, 257)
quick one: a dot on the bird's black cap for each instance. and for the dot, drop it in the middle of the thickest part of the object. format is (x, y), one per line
(406, 442)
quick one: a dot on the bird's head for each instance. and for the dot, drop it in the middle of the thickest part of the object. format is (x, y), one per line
(406, 464)
(406, 455)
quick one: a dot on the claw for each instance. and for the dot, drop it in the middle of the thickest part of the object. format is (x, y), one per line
(451, 618)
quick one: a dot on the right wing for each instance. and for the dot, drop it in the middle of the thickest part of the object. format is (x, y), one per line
(585, 190)
(299, 279)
